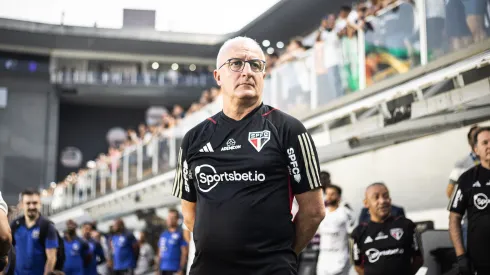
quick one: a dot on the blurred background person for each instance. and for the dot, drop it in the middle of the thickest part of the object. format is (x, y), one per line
(77, 252)
(95, 250)
(172, 247)
(146, 256)
(35, 238)
(334, 235)
(125, 250)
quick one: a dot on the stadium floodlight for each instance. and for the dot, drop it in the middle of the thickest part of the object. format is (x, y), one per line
(266, 43)
(280, 45)
(270, 50)
(192, 67)
(175, 66)
(155, 65)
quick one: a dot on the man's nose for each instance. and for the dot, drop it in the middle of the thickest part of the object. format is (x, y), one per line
(247, 69)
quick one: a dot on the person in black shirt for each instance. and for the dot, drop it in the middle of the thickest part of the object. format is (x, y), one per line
(471, 194)
(386, 245)
(239, 171)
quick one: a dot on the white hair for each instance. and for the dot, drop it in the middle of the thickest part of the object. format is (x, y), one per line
(238, 39)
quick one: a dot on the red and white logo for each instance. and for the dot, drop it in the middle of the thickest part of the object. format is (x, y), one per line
(396, 233)
(259, 139)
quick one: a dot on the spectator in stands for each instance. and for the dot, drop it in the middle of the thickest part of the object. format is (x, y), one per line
(146, 256)
(294, 49)
(5, 234)
(475, 13)
(172, 247)
(270, 62)
(457, 28)
(343, 20)
(326, 27)
(396, 211)
(77, 252)
(215, 92)
(125, 249)
(133, 136)
(194, 108)
(205, 97)
(144, 133)
(34, 237)
(178, 112)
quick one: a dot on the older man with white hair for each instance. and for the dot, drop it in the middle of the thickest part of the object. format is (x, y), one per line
(239, 171)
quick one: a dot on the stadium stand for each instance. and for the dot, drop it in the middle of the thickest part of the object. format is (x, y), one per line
(310, 72)
(376, 74)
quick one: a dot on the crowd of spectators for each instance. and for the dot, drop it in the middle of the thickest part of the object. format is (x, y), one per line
(333, 27)
(158, 122)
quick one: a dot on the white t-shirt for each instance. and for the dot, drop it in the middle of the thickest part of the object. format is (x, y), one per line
(145, 257)
(334, 239)
(334, 230)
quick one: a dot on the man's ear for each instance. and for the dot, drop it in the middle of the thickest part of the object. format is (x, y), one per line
(217, 77)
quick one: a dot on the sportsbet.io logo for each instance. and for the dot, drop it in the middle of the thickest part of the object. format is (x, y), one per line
(481, 201)
(207, 177)
(373, 254)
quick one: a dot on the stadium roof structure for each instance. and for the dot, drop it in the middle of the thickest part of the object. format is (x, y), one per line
(284, 20)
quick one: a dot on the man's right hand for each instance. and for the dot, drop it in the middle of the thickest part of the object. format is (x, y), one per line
(464, 265)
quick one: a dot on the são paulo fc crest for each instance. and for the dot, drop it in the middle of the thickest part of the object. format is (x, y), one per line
(396, 233)
(259, 139)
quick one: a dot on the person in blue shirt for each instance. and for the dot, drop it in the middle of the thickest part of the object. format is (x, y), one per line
(125, 250)
(95, 249)
(77, 253)
(172, 247)
(35, 250)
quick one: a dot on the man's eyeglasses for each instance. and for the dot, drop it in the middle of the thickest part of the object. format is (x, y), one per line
(237, 65)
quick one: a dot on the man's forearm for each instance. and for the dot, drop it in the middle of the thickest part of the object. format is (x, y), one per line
(306, 227)
(455, 233)
(189, 213)
(49, 267)
(183, 258)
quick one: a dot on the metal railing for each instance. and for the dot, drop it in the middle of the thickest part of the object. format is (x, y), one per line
(170, 78)
(398, 39)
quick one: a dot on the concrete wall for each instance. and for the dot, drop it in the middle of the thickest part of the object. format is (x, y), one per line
(28, 134)
(416, 172)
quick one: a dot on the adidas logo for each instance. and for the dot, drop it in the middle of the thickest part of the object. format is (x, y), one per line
(207, 148)
(368, 240)
(381, 236)
(477, 184)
